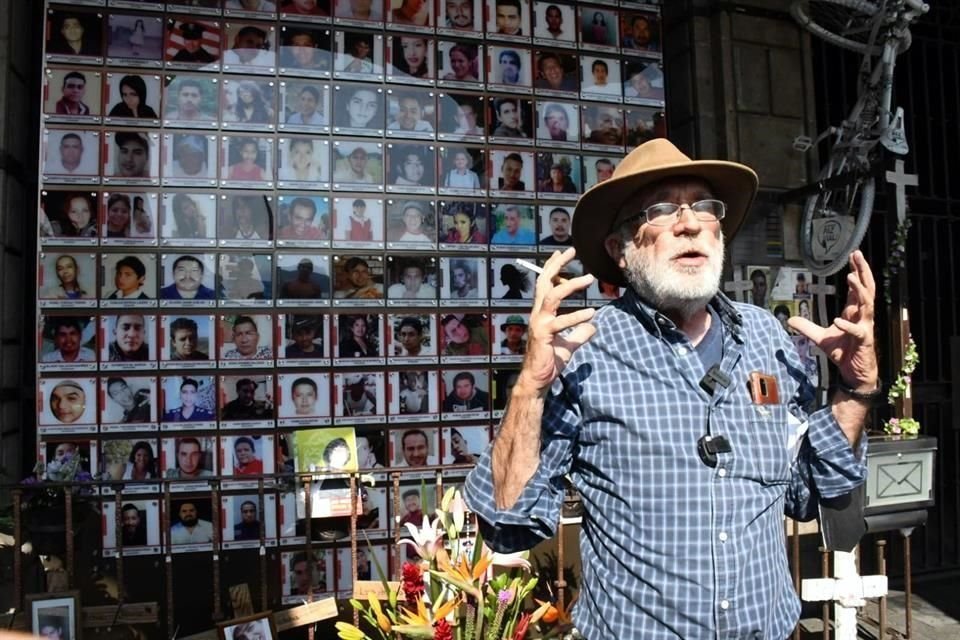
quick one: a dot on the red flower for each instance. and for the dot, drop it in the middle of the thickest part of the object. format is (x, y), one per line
(522, 624)
(412, 581)
(442, 630)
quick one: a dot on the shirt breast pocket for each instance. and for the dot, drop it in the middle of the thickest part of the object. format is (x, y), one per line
(765, 456)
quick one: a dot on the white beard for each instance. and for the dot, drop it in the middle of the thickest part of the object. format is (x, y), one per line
(669, 286)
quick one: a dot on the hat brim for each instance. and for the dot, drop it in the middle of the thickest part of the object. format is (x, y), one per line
(602, 208)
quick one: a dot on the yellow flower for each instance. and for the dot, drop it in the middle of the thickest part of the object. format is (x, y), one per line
(347, 631)
(382, 621)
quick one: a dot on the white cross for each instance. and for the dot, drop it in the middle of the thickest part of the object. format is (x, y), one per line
(902, 180)
(738, 286)
(846, 590)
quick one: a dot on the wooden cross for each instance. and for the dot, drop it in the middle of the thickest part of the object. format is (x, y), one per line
(902, 181)
(846, 590)
(738, 287)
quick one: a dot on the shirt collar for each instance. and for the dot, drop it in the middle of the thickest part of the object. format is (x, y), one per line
(657, 322)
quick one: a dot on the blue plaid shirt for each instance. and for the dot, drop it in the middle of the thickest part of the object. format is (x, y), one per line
(670, 546)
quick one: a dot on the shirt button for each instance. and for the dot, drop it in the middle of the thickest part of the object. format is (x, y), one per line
(722, 472)
(682, 351)
(724, 604)
(723, 538)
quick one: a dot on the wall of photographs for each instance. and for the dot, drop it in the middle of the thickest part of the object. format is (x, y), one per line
(269, 230)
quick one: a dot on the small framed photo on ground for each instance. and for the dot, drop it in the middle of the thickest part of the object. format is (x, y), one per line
(71, 156)
(247, 161)
(304, 163)
(556, 222)
(511, 285)
(597, 169)
(358, 339)
(129, 219)
(510, 336)
(190, 160)
(602, 128)
(245, 341)
(128, 340)
(304, 106)
(463, 281)
(246, 280)
(132, 99)
(303, 399)
(358, 13)
(558, 74)
(514, 227)
(134, 40)
(509, 68)
(246, 220)
(463, 171)
(463, 225)
(188, 280)
(305, 51)
(357, 165)
(72, 95)
(250, 47)
(461, 117)
(411, 224)
(303, 339)
(248, 104)
(643, 82)
(131, 157)
(413, 281)
(462, 18)
(554, 24)
(67, 405)
(67, 343)
(192, 44)
(191, 101)
(186, 341)
(460, 64)
(359, 397)
(414, 396)
(189, 220)
(411, 113)
(410, 58)
(303, 280)
(558, 124)
(358, 223)
(412, 338)
(600, 79)
(509, 20)
(464, 337)
(55, 615)
(511, 174)
(358, 55)
(598, 29)
(68, 218)
(139, 526)
(74, 35)
(303, 220)
(558, 175)
(189, 403)
(510, 120)
(466, 394)
(67, 280)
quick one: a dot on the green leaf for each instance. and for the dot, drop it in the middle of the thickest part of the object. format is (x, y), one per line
(414, 630)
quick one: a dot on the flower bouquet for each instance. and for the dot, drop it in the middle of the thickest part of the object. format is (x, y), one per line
(44, 506)
(452, 592)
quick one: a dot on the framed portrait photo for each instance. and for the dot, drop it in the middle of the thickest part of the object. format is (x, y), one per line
(55, 615)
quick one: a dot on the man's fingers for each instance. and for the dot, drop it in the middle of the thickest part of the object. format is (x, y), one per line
(806, 328)
(553, 297)
(853, 329)
(862, 268)
(567, 320)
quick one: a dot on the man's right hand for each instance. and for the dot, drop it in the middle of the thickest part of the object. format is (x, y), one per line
(552, 338)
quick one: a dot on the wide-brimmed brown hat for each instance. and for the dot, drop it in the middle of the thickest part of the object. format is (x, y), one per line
(605, 206)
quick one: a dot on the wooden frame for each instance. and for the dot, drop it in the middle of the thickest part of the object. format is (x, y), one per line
(259, 626)
(58, 612)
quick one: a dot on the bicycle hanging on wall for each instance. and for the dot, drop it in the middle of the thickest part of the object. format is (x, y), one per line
(836, 213)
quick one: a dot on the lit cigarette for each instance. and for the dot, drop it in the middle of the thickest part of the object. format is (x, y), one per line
(538, 270)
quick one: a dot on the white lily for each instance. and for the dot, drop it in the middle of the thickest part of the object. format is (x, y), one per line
(424, 540)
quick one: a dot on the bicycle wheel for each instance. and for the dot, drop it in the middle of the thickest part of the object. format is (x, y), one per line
(845, 23)
(835, 219)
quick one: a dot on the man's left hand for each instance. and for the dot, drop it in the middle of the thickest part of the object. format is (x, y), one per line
(849, 341)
